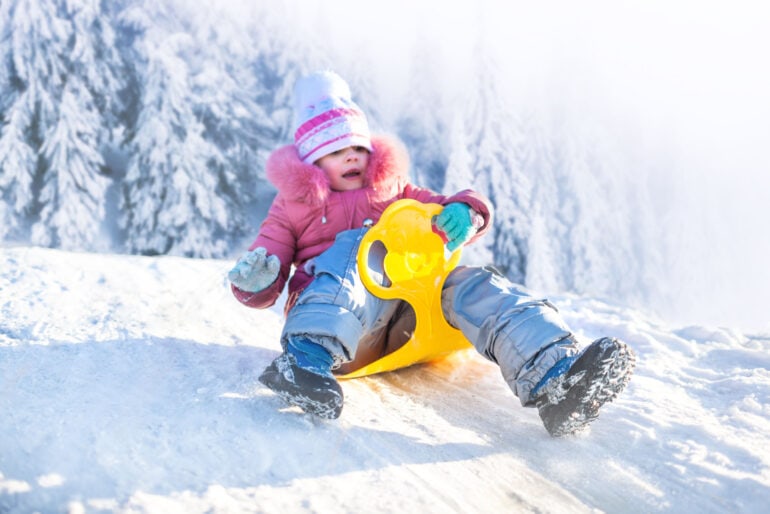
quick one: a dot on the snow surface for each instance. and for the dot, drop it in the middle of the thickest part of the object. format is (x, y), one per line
(128, 384)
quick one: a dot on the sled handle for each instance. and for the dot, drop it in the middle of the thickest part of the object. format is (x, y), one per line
(416, 258)
(416, 265)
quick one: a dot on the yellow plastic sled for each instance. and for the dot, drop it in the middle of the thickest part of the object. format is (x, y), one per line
(417, 265)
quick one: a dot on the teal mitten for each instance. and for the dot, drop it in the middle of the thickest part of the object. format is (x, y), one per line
(456, 222)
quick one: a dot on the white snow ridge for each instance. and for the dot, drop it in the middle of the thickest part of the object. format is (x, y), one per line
(128, 384)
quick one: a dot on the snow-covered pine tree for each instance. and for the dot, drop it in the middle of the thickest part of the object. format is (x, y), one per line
(510, 189)
(235, 106)
(275, 68)
(237, 94)
(17, 168)
(33, 42)
(460, 173)
(553, 209)
(61, 63)
(589, 222)
(171, 199)
(605, 257)
(73, 192)
(18, 158)
(277, 60)
(485, 140)
(423, 123)
(96, 59)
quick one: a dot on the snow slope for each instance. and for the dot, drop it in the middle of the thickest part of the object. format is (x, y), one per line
(127, 384)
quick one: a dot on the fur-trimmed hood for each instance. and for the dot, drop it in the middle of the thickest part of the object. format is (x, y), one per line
(308, 184)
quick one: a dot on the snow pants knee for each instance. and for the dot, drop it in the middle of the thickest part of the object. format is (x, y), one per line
(523, 335)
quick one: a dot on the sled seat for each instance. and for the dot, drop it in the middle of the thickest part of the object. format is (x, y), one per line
(417, 264)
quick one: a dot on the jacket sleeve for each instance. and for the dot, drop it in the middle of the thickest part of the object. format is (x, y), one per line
(476, 201)
(277, 237)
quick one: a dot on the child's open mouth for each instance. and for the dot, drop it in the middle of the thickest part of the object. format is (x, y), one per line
(351, 174)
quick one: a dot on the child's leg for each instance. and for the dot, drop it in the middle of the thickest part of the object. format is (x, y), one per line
(383, 339)
(523, 335)
(324, 329)
(336, 309)
(537, 354)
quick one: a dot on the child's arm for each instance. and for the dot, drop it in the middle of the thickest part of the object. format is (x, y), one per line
(476, 201)
(277, 238)
(457, 223)
(255, 271)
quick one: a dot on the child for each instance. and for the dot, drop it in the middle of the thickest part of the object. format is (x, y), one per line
(333, 183)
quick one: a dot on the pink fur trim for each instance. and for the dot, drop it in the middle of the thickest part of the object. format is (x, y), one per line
(307, 183)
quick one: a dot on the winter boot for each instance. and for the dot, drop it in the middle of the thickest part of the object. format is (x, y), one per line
(570, 394)
(302, 376)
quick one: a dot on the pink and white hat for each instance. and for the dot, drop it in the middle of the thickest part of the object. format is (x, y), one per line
(325, 117)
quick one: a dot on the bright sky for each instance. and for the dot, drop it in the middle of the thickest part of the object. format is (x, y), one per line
(701, 63)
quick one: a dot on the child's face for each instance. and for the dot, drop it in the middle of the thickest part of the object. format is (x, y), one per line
(346, 168)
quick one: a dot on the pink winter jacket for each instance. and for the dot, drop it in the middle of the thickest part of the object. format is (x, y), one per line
(306, 214)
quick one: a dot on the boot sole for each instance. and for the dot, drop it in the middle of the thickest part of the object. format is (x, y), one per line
(573, 401)
(323, 402)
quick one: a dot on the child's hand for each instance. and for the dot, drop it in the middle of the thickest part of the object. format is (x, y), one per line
(255, 271)
(456, 222)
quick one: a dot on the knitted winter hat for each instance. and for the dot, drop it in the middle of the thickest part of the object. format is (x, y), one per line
(325, 117)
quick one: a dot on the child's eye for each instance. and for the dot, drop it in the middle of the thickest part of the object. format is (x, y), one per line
(360, 149)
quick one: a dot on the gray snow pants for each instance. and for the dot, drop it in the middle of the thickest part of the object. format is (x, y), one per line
(523, 335)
